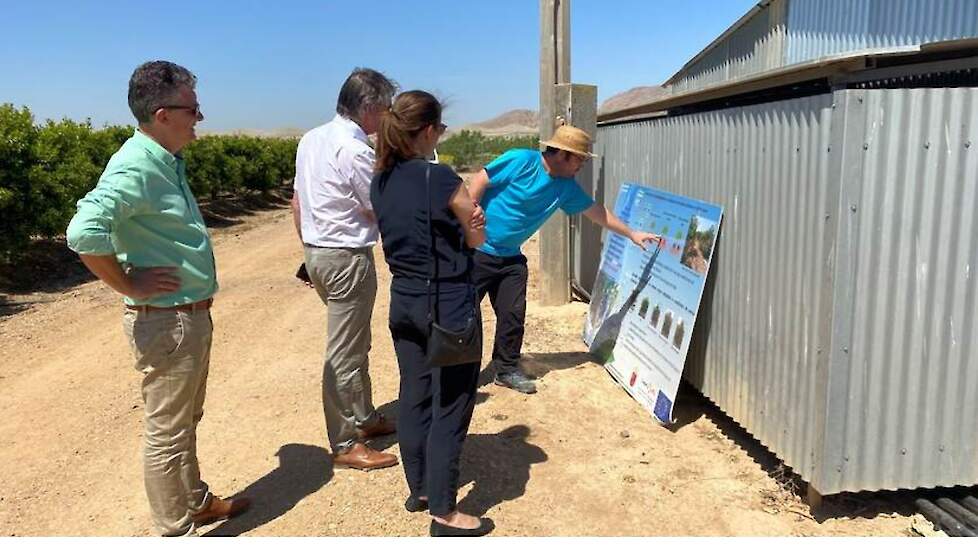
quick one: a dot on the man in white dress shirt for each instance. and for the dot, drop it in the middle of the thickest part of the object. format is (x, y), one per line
(335, 221)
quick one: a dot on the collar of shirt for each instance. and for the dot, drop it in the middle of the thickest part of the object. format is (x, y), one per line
(156, 149)
(352, 127)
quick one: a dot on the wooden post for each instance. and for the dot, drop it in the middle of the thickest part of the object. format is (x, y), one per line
(577, 104)
(554, 69)
(554, 59)
(563, 41)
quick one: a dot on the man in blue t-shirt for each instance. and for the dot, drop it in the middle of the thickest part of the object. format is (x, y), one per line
(519, 191)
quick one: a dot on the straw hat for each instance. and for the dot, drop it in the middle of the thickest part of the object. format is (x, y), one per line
(574, 140)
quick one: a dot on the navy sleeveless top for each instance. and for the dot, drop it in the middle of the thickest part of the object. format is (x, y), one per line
(401, 205)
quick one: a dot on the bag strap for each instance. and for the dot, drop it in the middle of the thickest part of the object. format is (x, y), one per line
(431, 248)
(431, 240)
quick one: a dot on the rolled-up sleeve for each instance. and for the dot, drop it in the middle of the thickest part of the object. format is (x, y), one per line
(114, 198)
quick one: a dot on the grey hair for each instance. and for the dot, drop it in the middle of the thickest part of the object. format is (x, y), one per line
(153, 85)
(364, 89)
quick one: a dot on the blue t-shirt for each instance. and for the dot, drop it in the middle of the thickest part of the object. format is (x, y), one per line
(521, 196)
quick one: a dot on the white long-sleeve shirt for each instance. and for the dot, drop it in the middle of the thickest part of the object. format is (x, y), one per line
(333, 168)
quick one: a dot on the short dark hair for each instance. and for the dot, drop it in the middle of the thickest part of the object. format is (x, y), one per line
(153, 85)
(364, 88)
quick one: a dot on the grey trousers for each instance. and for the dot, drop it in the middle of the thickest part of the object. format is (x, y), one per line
(346, 280)
(172, 351)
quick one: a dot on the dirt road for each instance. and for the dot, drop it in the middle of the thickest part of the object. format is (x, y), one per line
(578, 458)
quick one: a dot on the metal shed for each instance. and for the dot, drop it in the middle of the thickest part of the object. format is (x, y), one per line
(781, 33)
(841, 317)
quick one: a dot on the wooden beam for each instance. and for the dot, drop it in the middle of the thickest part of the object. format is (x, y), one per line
(554, 69)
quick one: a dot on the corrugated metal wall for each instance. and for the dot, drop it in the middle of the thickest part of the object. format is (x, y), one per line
(760, 321)
(787, 32)
(839, 325)
(819, 28)
(755, 47)
(903, 387)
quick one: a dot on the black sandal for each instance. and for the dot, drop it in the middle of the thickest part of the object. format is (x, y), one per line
(440, 530)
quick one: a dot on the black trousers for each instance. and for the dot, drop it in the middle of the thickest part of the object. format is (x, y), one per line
(504, 279)
(434, 404)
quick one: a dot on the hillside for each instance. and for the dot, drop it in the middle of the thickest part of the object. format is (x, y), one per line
(515, 122)
(526, 122)
(631, 98)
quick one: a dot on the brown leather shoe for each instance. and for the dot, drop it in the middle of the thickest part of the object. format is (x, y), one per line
(361, 457)
(221, 508)
(383, 426)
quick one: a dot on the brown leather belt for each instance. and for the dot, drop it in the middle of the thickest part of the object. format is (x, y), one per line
(196, 306)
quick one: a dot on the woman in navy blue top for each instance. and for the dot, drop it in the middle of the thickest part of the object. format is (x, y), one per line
(434, 404)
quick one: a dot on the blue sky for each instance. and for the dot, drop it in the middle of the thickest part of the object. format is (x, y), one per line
(271, 65)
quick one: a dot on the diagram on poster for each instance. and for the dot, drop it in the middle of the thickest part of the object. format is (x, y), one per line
(644, 302)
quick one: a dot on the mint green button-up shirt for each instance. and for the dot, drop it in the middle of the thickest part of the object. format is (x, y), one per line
(143, 212)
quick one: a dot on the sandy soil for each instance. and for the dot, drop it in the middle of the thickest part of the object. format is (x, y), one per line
(578, 458)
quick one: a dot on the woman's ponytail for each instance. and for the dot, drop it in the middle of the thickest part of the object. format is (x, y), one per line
(411, 113)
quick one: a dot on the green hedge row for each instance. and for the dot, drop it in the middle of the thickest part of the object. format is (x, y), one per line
(468, 150)
(46, 168)
(219, 165)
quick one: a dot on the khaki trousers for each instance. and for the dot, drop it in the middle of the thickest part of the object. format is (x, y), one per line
(346, 280)
(172, 351)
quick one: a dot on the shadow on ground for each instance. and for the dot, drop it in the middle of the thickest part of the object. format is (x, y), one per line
(537, 365)
(498, 466)
(229, 211)
(302, 470)
(691, 405)
(46, 265)
(9, 307)
(385, 442)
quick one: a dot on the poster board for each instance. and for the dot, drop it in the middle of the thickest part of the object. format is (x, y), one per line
(644, 302)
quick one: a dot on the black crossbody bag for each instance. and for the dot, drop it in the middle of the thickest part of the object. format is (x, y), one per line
(447, 347)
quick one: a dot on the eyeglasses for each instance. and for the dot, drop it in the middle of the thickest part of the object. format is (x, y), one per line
(195, 110)
(442, 127)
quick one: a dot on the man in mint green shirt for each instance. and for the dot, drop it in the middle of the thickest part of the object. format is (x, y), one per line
(140, 231)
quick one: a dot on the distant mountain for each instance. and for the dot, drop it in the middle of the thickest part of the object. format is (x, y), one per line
(527, 122)
(516, 122)
(631, 98)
